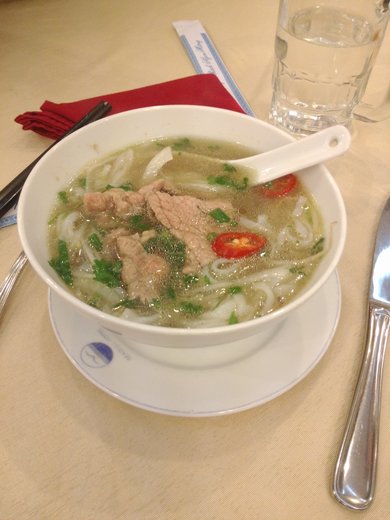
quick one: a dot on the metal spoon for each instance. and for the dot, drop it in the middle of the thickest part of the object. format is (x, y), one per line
(314, 149)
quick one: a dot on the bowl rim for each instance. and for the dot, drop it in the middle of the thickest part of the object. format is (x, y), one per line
(83, 307)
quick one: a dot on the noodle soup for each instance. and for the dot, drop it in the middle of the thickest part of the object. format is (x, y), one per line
(155, 233)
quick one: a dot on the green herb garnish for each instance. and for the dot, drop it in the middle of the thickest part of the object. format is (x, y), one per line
(229, 168)
(212, 236)
(235, 289)
(190, 308)
(125, 187)
(233, 318)
(168, 246)
(318, 246)
(95, 242)
(219, 215)
(108, 272)
(228, 182)
(93, 302)
(138, 223)
(61, 264)
(171, 293)
(127, 303)
(181, 144)
(63, 197)
(190, 279)
(297, 270)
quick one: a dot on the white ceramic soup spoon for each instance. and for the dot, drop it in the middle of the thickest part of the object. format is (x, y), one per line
(308, 151)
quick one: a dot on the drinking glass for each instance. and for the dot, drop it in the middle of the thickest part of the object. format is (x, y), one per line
(324, 53)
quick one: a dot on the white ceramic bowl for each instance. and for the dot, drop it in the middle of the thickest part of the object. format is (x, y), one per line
(64, 161)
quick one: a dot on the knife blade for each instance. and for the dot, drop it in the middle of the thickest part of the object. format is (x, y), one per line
(355, 472)
(380, 279)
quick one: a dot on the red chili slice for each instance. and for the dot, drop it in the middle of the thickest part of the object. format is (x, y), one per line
(279, 187)
(237, 244)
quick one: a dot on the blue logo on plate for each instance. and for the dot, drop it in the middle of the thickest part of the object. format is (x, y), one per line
(96, 355)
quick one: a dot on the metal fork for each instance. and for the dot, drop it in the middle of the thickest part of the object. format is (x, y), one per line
(11, 278)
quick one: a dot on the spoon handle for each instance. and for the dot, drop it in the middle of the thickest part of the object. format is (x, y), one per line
(11, 278)
(355, 473)
(314, 149)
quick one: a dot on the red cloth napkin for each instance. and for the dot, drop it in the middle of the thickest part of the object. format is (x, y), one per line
(55, 119)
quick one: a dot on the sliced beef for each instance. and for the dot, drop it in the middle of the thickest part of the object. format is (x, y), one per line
(110, 246)
(188, 219)
(158, 185)
(121, 203)
(116, 201)
(143, 273)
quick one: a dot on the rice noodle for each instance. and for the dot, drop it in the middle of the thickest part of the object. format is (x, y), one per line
(67, 229)
(120, 168)
(235, 303)
(223, 266)
(250, 224)
(305, 233)
(156, 163)
(200, 186)
(97, 179)
(301, 235)
(110, 296)
(129, 314)
(272, 276)
(88, 252)
(269, 300)
(78, 191)
(300, 206)
(83, 272)
(284, 290)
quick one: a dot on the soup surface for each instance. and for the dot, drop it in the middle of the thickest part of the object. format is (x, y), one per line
(159, 234)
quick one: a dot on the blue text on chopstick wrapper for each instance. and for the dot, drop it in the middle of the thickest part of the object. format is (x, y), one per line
(9, 218)
(205, 58)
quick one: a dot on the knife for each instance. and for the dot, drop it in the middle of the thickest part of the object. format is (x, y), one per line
(355, 472)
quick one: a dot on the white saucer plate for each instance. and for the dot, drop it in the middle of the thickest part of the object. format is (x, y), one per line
(158, 380)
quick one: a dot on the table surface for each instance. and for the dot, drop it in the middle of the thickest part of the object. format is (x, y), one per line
(69, 450)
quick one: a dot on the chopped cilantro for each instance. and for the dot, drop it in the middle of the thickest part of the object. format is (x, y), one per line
(228, 168)
(127, 303)
(233, 318)
(190, 279)
(206, 280)
(190, 308)
(61, 264)
(63, 197)
(93, 302)
(318, 246)
(125, 187)
(297, 270)
(212, 236)
(219, 215)
(235, 289)
(165, 244)
(225, 180)
(155, 303)
(171, 293)
(181, 144)
(95, 242)
(139, 223)
(107, 272)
